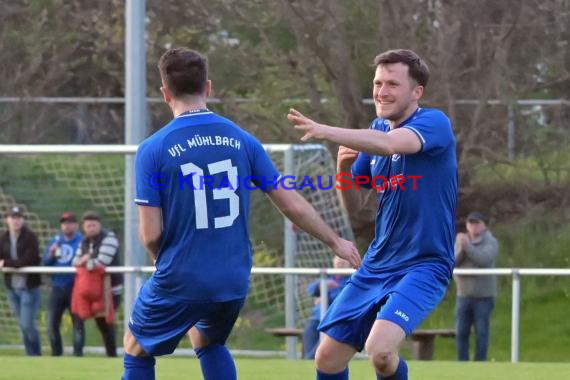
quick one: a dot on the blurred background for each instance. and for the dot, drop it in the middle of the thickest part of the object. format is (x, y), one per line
(500, 70)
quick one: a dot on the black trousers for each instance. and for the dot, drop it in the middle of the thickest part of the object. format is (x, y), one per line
(59, 302)
(109, 331)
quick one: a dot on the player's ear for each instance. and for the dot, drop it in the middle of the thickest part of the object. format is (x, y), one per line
(418, 92)
(208, 88)
(166, 95)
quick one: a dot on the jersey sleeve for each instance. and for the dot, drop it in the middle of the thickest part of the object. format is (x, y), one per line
(361, 167)
(147, 176)
(264, 173)
(434, 131)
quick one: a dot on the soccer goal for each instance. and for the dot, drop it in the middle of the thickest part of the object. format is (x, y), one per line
(47, 180)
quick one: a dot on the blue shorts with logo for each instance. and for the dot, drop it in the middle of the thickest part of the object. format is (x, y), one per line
(405, 298)
(159, 323)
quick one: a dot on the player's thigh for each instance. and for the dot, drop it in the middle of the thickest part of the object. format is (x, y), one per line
(158, 324)
(217, 325)
(385, 337)
(415, 296)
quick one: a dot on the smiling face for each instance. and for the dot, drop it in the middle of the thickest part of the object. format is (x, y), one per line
(395, 93)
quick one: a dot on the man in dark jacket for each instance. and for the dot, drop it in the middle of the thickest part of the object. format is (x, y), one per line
(60, 252)
(19, 248)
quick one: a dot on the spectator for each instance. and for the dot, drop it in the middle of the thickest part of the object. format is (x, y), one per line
(19, 248)
(99, 249)
(475, 294)
(60, 252)
(335, 284)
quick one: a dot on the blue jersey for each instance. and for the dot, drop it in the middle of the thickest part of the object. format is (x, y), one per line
(64, 258)
(199, 169)
(417, 195)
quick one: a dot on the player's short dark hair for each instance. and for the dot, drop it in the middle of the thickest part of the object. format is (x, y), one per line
(183, 71)
(417, 68)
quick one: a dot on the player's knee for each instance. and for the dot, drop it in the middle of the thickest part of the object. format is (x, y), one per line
(383, 361)
(326, 359)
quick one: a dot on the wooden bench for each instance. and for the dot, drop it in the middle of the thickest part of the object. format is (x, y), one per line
(284, 332)
(423, 341)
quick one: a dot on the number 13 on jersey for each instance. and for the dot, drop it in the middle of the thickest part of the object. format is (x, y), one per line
(200, 202)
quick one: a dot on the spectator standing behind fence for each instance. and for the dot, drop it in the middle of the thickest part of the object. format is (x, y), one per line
(60, 252)
(19, 248)
(92, 293)
(475, 294)
(335, 284)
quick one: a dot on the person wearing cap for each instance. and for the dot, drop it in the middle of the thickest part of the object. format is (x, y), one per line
(99, 249)
(477, 248)
(19, 247)
(60, 252)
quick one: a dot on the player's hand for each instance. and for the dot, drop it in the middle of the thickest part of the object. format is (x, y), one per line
(345, 158)
(2, 263)
(346, 249)
(310, 128)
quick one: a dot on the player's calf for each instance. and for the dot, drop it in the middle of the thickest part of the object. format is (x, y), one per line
(216, 362)
(137, 364)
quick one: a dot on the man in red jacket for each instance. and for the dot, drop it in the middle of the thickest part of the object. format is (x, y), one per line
(19, 247)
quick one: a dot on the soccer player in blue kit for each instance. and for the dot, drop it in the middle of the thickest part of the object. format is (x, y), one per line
(408, 265)
(193, 208)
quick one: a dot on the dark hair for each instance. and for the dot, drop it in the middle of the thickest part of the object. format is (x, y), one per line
(91, 215)
(417, 68)
(183, 71)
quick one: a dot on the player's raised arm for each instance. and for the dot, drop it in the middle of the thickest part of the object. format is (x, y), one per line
(302, 214)
(402, 141)
(150, 229)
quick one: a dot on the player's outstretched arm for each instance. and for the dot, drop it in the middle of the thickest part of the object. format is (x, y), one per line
(303, 215)
(150, 229)
(400, 140)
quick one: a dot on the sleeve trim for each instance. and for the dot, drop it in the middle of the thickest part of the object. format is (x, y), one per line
(146, 202)
(422, 140)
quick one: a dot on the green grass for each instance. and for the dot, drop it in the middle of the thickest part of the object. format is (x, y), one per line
(95, 368)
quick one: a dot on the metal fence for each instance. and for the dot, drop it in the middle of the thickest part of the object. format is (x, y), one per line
(139, 274)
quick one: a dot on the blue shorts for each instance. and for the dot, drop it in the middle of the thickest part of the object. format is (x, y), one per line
(405, 298)
(159, 323)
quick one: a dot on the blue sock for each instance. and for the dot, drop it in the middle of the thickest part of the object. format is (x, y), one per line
(400, 374)
(138, 367)
(335, 376)
(216, 362)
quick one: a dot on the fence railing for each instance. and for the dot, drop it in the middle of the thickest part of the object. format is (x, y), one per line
(515, 273)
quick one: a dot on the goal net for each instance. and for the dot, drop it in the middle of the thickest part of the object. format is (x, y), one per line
(45, 185)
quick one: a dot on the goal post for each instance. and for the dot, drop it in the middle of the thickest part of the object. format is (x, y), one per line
(49, 179)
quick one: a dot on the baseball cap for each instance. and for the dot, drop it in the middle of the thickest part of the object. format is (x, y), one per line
(15, 211)
(68, 216)
(91, 215)
(476, 216)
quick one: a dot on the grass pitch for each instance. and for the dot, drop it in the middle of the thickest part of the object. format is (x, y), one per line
(98, 368)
